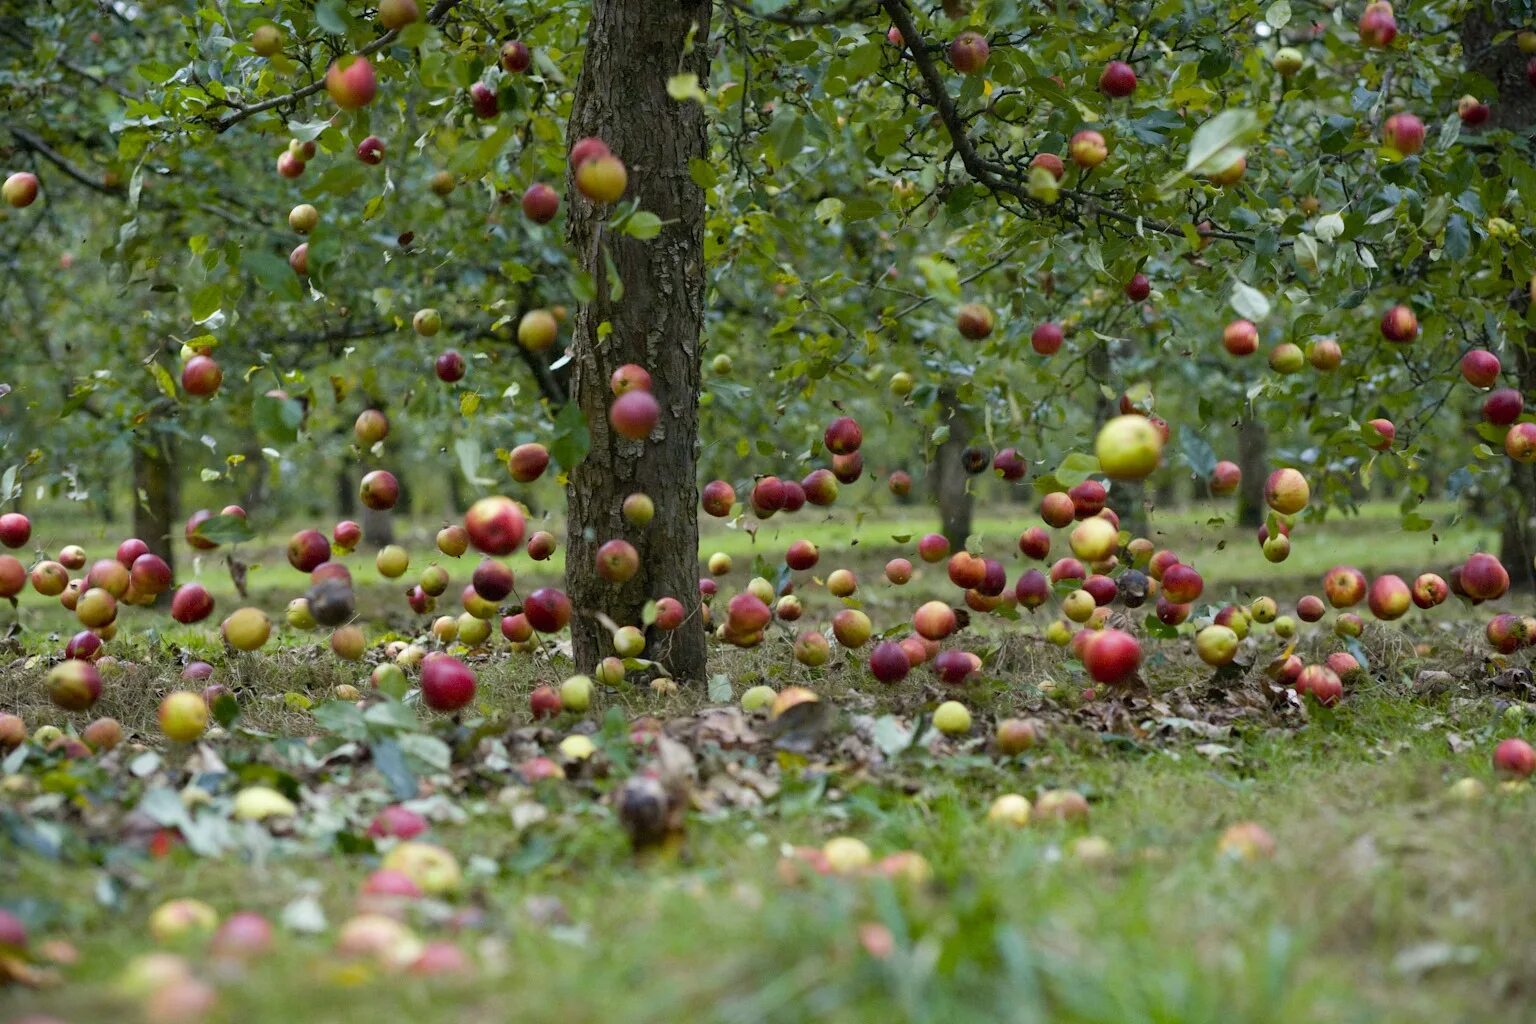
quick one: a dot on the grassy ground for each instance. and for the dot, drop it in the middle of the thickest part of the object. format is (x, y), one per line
(1385, 899)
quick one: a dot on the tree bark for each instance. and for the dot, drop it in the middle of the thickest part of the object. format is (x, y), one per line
(633, 48)
(946, 474)
(156, 494)
(1252, 442)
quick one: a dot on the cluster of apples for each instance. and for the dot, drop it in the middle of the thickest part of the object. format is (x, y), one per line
(170, 986)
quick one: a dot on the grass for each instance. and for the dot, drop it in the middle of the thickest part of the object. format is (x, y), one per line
(1385, 900)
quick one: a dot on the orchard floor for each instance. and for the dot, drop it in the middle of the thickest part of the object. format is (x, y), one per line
(1385, 899)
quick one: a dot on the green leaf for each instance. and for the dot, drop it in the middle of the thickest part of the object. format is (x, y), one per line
(1249, 302)
(1220, 141)
(703, 173)
(571, 439)
(425, 753)
(720, 688)
(163, 380)
(686, 87)
(277, 419)
(225, 530)
(343, 718)
(1076, 467)
(273, 273)
(1279, 14)
(331, 16)
(785, 135)
(467, 451)
(644, 225)
(389, 759)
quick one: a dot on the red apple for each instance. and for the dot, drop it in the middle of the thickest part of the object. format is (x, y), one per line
(447, 684)
(843, 436)
(634, 414)
(888, 663)
(1379, 434)
(1404, 133)
(1111, 656)
(482, 100)
(1088, 149)
(191, 603)
(629, 377)
(1377, 25)
(1389, 597)
(201, 377)
(1503, 407)
(1118, 79)
(1226, 477)
(449, 367)
(1514, 758)
(718, 497)
(1484, 577)
(1480, 368)
(1138, 287)
(602, 179)
(547, 610)
(379, 490)
(371, 150)
(1399, 324)
(1240, 338)
(351, 82)
(515, 56)
(968, 52)
(20, 189)
(495, 525)
(1344, 586)
(15, 529)
(587, 149)
(1046, 339)
(527, 462)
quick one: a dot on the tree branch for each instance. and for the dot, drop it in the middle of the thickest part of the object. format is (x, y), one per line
(53, 156)
(435, 16)
(995, 176)
(794, 19)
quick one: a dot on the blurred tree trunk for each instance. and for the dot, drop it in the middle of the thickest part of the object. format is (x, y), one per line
(633, 48)
(1514, 109)
(156, 495)
(1253, 460)
(947, 478)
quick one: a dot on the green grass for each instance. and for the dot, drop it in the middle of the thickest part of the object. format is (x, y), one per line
(1385, 899)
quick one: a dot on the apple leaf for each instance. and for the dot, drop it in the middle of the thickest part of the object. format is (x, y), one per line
(273, 273)
(1279, 14)
(1249, 302)
(685, 87)
(644, 225)
(1220, 141)
(277, 420)
(1076, 467)
(720, 688)
(163, 380)
(225, 530)
(571, 440)
(467, 449)
(341, 718)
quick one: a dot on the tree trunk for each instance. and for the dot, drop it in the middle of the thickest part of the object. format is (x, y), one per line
(156, 495)
(947, 476)
(633, 48)
(1252, 441)
(1514, 109)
